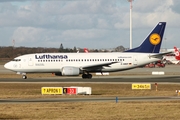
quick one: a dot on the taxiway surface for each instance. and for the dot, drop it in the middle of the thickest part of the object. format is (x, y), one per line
(171, 76)
(101, 99)
(107, 79)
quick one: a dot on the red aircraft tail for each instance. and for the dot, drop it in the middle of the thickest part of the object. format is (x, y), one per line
(86, 50)
(177, 53)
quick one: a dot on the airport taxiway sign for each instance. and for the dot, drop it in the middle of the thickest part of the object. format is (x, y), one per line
(141, 86)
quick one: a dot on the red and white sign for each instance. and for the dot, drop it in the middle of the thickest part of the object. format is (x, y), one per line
(71, 91)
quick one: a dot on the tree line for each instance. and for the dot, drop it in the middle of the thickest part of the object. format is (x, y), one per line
(11, 52)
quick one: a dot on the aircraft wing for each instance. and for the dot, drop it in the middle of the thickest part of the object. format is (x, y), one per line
(97, 66)
(159, 55)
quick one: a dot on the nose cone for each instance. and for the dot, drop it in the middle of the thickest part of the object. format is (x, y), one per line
(7, 65)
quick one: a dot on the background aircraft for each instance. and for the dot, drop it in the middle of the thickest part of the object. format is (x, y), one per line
(174, 57)
(86, 50)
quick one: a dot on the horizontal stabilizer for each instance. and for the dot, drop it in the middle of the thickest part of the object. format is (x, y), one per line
(160, 55)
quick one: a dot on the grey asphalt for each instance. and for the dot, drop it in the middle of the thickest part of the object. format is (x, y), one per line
(172, 75)
(168, 70)
(112, 79)
(88, 99)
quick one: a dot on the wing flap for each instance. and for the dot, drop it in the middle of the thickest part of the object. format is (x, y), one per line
(97, 66)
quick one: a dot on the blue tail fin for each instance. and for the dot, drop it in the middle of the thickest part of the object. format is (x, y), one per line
(153, 41)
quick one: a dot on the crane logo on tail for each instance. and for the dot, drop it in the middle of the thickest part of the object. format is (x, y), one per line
(155, 39)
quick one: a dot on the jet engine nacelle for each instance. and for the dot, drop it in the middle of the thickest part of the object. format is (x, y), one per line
(70, 71)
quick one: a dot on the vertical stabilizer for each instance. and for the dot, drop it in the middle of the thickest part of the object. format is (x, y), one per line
(177, 54)
(152, 43)
(86, 50)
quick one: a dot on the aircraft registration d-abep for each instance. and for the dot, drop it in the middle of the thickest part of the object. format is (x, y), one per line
(74, 64)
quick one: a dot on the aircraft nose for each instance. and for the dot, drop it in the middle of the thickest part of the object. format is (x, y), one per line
(7, 65)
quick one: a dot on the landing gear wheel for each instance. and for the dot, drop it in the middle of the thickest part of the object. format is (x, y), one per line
(89, 76)
(84, 76)
(24, 77)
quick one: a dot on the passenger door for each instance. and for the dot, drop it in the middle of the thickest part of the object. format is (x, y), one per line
(30, 61)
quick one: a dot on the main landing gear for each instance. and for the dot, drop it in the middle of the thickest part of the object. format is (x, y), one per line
(88, 76)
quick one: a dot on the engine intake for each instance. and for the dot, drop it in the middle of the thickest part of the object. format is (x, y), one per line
(70, 71)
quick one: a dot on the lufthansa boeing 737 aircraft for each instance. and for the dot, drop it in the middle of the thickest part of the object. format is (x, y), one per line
(73, 64)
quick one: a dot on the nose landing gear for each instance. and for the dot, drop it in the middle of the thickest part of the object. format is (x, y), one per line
(24, 77)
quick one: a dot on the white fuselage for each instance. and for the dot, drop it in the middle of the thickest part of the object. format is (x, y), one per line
(54, 62)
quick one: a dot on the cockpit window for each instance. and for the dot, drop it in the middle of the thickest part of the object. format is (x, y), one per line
(16, 60)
